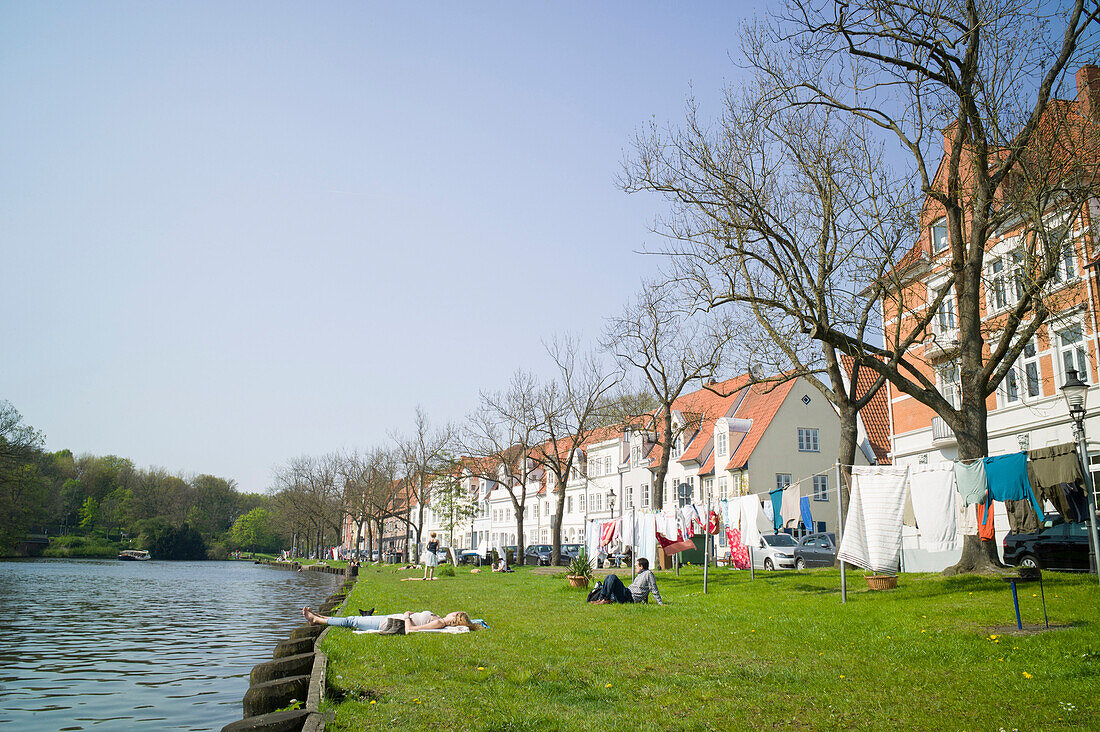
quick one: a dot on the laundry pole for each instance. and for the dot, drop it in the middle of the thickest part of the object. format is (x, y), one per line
(840, 532)
(706, 544)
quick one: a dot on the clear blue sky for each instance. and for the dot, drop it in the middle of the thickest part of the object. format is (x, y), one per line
(233, 233)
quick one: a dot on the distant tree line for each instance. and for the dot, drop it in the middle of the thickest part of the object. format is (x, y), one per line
(89, 504)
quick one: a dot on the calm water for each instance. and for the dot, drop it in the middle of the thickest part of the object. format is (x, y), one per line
(110, 645)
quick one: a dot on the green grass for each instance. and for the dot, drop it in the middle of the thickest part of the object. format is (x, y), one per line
(777, 652)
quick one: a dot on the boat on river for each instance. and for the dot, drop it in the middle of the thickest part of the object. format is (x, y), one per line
(134, 555)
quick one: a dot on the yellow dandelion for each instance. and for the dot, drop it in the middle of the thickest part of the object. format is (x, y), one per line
(842, 676)
(480, 668)
(924, 631)
(372, 701)
(1027, 675)
(607, 686)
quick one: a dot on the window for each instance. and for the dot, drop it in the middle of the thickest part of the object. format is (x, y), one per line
(1071, 351)
(581, 498)
(535, 511)
(722, 442)
(569, 504)
(821, 487)
(782, 480)
(945, 316)
(629, 497)
(597, 504)
(677, 446)
(708, 487)
(607, 465)
(939, 236)
(947, 378)
(1022, 382)
(635, 456)
(645, 495)
(723, 487)
(1067, 265)
(594, 467)
(807, 440)
(998, 297)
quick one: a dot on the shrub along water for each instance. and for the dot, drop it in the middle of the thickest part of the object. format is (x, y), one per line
(780, 651)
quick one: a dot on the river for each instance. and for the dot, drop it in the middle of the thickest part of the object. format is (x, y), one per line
(103, 644)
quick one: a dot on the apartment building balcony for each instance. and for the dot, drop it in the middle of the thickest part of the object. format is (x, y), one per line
(942, 435)
(942, 344)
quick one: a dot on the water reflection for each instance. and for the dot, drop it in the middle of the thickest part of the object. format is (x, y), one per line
(139, 645)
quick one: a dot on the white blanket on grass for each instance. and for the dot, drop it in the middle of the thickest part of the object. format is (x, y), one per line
(451, 629)
(872, 528)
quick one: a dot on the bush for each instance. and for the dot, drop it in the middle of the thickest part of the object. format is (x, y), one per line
(77, 547)
(446, 571)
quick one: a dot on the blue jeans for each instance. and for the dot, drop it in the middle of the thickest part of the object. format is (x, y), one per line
(612, 589)
(358, 622)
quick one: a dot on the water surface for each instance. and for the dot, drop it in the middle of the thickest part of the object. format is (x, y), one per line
(103, 644)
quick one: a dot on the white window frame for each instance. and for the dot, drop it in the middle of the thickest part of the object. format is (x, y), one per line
(583, 502)
(607, 465)
(629, 497)
(821, 487)
(782, 480)
(808, 439)
(1077, 348)
(950, 388)
(721, 442)
(938, 233)
(645, 495)
(723, 487)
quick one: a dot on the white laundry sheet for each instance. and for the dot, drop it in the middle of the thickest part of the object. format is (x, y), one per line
(873, 526)
(932, 492)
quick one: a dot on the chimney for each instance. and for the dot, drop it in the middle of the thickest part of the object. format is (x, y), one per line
(1088, 91)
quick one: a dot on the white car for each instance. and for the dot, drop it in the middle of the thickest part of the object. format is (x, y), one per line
(775, 551)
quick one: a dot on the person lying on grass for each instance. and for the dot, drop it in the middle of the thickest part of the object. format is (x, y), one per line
(613, 590)
(425, 620)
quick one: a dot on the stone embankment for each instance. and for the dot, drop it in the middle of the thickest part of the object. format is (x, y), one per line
(296, 672)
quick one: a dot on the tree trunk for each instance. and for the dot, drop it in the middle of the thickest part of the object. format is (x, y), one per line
(978, 557)
(559, 512)
(846, 452)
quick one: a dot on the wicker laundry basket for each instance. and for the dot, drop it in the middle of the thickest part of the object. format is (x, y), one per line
(881, 581)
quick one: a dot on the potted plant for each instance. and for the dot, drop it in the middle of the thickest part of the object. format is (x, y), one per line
(580, 570)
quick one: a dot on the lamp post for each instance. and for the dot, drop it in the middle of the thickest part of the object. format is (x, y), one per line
(1075, 391)
(611, 500)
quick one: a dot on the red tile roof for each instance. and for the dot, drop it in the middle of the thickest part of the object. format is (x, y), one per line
(760, 404)
(876, 413)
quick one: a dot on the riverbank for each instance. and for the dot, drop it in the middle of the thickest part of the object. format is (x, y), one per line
(285, 694)
(780, 651)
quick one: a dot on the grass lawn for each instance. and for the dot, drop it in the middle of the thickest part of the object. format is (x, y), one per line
(777, 652)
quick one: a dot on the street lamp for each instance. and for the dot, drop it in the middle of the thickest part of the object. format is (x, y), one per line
(1075, 390)
(611, 500)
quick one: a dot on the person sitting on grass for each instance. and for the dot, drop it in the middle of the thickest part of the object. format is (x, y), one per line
(502, 565)
(612, 589)
(425, 620)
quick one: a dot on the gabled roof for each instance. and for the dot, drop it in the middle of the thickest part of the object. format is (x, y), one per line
(708, 407)
(760, 404)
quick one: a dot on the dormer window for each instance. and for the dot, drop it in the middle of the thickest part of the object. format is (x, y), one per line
(721, 444)
(939, 236)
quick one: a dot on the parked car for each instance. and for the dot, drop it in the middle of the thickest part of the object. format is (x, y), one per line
(815, 550)
(775, 551)
(1056, 545)
(469, 556)
(539, 554)
(569, 552)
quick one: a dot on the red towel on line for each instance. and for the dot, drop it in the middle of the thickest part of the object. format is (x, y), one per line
(674, 547)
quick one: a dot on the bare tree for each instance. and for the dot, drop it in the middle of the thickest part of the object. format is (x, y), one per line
(501, 437)
(892, 79)
(669, 347)
(368, 491)
(425, 456)
(570, 409)
(784, 215)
